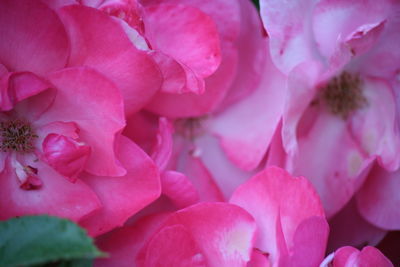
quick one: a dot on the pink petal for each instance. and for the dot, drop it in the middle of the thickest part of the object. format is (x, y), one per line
(340, 166)
(95, 105)
(177, 187)
(57, 196)
(375, 135)
(334, 21)
(289, 27)
(33, 37)
(66, 155)
(378, 199)
(275, 198)
(348, 227)
(124, 244)
(368, 257)
(223, 232)
(163, 148)
(246, 128)
(169, 25)
(258, 259)
(113, 54)
(164, 251)
(123, 196)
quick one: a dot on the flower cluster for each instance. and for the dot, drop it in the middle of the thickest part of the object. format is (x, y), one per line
(205, 133)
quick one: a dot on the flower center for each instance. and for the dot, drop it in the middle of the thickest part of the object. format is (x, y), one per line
(16, 135)
(190, 127)
(343, 94)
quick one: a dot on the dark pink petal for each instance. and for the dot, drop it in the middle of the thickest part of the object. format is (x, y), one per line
(33, 37)
(349, 228)
(124, 244)
(123, 196)
(112, 54)
(258, 259)
(378, 199)
(163, 147)
(245, 129)
(192, 105)
(277, 200)
(57, 196)
(66, 155)
(88, 99)
(170, 25)
(177, 187)
(18, 86)
(223, 233)
(173, 246)
(289, 29)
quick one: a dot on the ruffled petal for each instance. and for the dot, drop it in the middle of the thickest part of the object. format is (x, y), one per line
(123, 196)
(112, 54)
(33, 37)
(368, 257)
(95, 105)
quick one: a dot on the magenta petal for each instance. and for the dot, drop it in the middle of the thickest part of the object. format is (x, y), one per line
(194, 31)
(123, 196)
(223, 232)
(163, 148)
(177, 187)
(274, 197)
(378, 199)
(95, 105)
(66, 155)
(113, 54)
(163, 250)
(32, 37)
(368, 257)
(57, 196)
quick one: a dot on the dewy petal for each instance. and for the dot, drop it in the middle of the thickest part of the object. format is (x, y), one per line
(123, 196)
(336, 20)
(378, 199)
(375, 127)
(223, 233)
(57, 196)
(329, 141)
(288, 24)
(169, 28)
(94, 103)
(32, 37)
(245, 129)
(274, 197)
(66, 155)
(113, 54)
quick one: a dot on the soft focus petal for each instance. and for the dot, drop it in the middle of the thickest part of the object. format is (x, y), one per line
(378, 199)
(163, 148)
(368, 257)
(95, 105)
(113, 54)
(246, 128)
(123, 196)
(33, 37)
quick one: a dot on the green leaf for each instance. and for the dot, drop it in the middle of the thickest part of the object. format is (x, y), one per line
(43, 239)
(256, 3)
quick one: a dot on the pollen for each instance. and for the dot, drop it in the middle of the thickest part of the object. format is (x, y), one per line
(16, 135)
(343, 94)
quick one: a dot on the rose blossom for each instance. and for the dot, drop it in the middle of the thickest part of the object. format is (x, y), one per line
(340, 110)
(61, 147)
